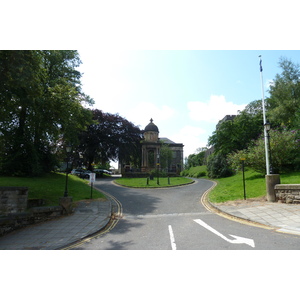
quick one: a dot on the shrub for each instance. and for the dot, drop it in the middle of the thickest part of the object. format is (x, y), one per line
(284, 146)
(200, 174)
(218, 166)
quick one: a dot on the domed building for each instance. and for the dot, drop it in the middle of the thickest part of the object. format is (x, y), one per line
(151, 146)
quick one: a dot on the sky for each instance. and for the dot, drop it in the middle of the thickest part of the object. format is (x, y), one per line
(154, 59)
(172, 61)
(185, 92)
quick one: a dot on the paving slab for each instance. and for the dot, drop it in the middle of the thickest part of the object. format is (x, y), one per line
(90, 216)
(281, 216)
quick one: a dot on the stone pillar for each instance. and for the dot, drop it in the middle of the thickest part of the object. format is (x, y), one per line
(271, 181)
(67, 204)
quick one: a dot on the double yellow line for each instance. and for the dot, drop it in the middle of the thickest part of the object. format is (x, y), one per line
(114, 219)
(210, 207)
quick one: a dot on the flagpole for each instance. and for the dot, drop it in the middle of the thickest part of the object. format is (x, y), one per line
(264, 117)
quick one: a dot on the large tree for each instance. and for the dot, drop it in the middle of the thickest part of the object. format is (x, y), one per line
(41, 101)
(284, 100)
(110, 137)
(238, 134)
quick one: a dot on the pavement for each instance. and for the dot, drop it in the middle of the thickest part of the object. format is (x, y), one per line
(91, 217)
(280, 217)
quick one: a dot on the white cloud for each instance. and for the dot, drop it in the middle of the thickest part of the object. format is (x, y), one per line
(269, 83)
(144, 111)
(192, 137)
(214, 110)
(103, 78)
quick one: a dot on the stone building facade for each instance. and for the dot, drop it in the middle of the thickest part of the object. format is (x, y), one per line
(151, 146)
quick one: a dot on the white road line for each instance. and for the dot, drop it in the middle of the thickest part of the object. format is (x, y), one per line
(236, 239)
(173, 244)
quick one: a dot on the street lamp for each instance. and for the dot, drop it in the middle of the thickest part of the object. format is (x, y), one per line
(267, 128)
(68, 150)
(157, 168)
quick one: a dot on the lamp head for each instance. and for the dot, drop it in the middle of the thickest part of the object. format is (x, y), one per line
(68, 148)
(267, 126)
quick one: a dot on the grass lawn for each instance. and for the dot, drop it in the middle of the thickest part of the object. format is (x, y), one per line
(231, 188)
(52, 186)
(142, 182)
(196, 172)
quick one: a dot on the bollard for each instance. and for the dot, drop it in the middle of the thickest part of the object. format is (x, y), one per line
(271, 181)
(147, 180)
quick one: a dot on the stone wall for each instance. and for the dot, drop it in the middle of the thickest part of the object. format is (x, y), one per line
(287, 193)
(13, 200)
(17, 211)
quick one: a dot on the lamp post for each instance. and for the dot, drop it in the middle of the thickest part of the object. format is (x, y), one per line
(271, 179)
(267, 129)
(68, 150)
(243, 169)
(157, 168)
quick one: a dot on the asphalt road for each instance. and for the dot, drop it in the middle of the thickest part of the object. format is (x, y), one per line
(175, 219)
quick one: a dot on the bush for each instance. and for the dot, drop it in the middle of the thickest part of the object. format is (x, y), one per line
(218, 166)
(284, 152)
(160, 173)
(200, 174)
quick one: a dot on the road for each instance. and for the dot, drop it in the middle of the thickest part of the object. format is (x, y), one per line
(175, 219)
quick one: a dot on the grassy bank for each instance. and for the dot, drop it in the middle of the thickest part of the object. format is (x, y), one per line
(52, 186)
(142, 182)
(195, 172)
(231, 188)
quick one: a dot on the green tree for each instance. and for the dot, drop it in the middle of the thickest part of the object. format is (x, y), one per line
(41, 97)
(196, 159)
(284, 101)
(238, 134)
(284, 146)
(218, 166)
(165, 157)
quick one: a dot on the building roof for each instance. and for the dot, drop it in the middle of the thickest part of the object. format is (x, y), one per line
(151, 126)
(166, 140)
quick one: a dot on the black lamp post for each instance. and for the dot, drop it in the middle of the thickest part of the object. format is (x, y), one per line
(157, 168)
(268, 127)
(68, 150)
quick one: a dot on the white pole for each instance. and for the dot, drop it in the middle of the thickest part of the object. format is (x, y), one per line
(264, 117)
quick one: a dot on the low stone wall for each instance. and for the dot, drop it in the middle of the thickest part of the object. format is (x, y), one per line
(17, 211)
(287, 193)
(13, 200)
(33, 215)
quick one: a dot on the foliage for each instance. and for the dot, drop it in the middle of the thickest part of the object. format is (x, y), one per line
(165, 157)
(109, 137)
(218, 166)
(237, 134)
(194, 160)
(41, 106)
(161, 173)
(284, 146)
(284, 100)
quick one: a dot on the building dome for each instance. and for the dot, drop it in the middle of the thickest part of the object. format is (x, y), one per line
(151, 127)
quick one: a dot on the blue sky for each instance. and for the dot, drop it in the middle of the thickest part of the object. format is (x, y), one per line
(153, 59)
(185, 92)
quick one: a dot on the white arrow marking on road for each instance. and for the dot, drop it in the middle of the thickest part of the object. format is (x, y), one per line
(236, 240)
(173, 244)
